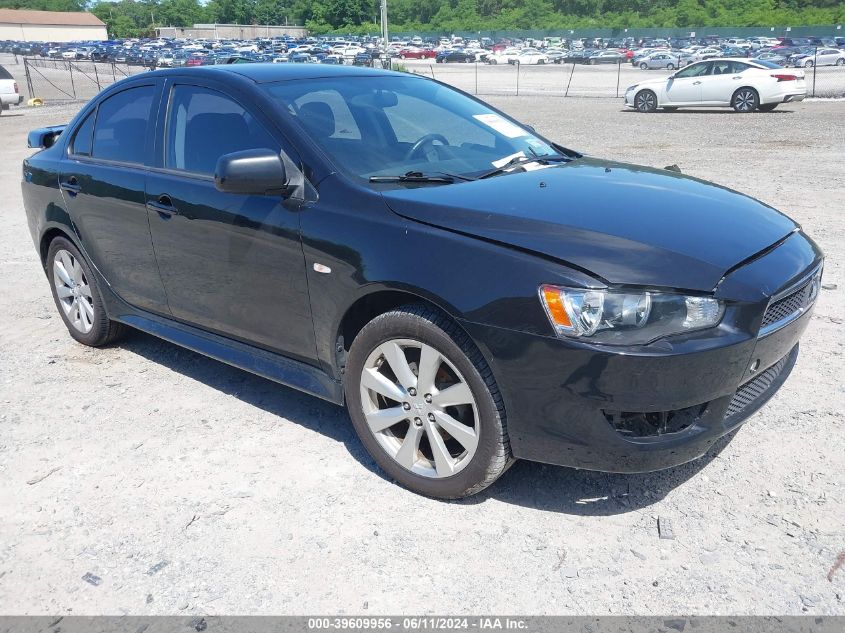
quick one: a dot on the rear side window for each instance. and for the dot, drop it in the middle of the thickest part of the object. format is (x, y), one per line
(204, 124)
(121, 130)
(5, 74)
(83, 139)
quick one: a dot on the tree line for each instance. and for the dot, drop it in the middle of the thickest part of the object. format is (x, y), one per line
(134, 18)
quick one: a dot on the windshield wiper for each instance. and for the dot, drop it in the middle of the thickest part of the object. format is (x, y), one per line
(417, 176)
(518, 161)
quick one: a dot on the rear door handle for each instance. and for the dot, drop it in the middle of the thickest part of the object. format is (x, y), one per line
(737, 77)
(164, 206)
(72, 186)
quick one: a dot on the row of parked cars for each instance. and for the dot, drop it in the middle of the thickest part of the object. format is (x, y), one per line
(646, 54)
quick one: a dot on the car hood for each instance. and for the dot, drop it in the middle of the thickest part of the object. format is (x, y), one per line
(624, 223)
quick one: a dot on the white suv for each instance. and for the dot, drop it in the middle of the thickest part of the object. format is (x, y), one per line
(9, 94)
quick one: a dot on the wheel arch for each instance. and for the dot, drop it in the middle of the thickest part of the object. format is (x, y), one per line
(377, 301)
(47, 237)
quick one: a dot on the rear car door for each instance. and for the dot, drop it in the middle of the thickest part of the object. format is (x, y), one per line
(724, 78)
(231, 263)
(102, 179)
(685, 85)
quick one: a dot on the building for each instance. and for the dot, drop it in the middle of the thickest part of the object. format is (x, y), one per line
(50, 26)
(230, 31)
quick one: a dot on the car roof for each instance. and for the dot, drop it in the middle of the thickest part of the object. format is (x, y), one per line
(266, 73)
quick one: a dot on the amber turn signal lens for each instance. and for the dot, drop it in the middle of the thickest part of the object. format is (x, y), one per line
(554, 303)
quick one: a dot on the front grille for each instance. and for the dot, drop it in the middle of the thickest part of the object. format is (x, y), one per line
(790, 304)
(753, 389)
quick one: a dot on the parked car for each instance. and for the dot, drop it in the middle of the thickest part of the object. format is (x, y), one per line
(745, 85)
(503, 56)
(9, 92)
(454, 55)
(416, 53)
(530, 56)
(606, 57)
(819, 57)
(273, 217)
(669, 61)
(770, 56)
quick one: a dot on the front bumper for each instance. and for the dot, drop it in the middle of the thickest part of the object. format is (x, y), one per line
(656, 406)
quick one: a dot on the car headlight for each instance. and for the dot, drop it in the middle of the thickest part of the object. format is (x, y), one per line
(626, 318)
(630, 88)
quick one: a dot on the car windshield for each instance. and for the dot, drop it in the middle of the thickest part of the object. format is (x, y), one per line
(374, 127)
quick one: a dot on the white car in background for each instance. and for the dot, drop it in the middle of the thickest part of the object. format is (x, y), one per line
(706, 53)
(745, 85)
(821, 57)
(9, 94)
(505, 56)
(530, 56)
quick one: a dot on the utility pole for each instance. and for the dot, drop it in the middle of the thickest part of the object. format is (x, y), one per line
(384, 28)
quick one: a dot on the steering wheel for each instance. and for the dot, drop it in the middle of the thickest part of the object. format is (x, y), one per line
(423, 142)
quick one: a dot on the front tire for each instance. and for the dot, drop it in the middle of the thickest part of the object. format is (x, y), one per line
(78, 297)
(645, 101)
(670, 66)
(643, 66)
(745, 100)
(425, 404)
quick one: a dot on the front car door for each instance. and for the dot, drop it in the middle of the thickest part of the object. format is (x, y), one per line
(231, 263)
(102, 178)
(684, 87)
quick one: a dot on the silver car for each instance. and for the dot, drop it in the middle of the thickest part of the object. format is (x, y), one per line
(669, 61)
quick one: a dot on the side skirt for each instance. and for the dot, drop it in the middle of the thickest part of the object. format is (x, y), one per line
(274, 367)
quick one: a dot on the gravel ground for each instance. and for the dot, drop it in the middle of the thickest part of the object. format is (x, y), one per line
(175, 484)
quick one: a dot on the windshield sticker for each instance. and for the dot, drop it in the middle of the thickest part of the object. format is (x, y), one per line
(502, 126)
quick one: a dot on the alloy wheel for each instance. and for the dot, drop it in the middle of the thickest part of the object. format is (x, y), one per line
(646, 101)
(73, 291)
(419, 408)
(745, 101)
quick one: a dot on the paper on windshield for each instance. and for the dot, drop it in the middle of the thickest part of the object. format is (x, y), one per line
(501, 125)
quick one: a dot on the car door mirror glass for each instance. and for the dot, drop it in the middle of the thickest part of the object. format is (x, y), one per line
(253, 171)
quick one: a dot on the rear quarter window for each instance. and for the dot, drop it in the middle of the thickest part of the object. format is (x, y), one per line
(5, 74)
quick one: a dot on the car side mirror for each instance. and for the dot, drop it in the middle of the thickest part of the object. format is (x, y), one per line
(258, 172)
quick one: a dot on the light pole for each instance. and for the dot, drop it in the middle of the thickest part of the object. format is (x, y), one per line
(384, 28)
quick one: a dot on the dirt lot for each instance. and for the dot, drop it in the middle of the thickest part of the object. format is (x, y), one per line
(187, 486)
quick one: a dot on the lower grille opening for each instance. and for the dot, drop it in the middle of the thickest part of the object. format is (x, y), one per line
(654, 423)
(748, 393)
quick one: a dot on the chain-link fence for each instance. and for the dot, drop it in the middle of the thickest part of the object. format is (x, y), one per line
(584, 80)
(55, 80)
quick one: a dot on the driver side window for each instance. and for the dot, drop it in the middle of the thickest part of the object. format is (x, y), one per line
(695, 70)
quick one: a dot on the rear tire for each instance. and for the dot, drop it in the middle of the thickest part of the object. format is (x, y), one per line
(745, 100)
(77, 296)
(451, 455)
(840, 62)
(645, 101)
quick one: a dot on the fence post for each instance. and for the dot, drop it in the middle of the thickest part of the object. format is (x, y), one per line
(72, 85)
(571, 72)
(618, 74)
(28, 78)
(476, 76)
(96, 77)
(815, 66)
(517, 78)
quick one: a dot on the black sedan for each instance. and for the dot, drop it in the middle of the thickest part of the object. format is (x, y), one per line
(473, 292)
(456, 55)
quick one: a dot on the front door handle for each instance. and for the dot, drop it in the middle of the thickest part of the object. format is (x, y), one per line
(696, 83)
(71, 185)
(737, 77)
(164, 206)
